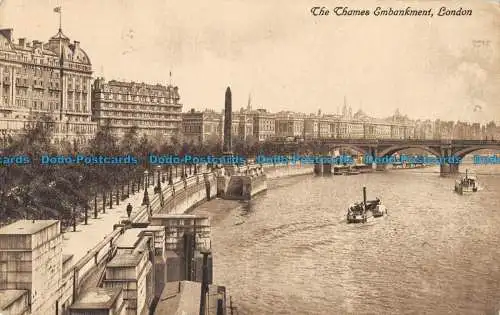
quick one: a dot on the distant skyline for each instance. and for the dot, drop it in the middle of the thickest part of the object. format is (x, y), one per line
(284, 57)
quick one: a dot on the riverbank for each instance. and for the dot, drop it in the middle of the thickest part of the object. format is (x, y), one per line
(282, 171)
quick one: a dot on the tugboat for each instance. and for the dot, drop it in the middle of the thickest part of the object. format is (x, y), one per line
(468, 183)
(357, 213)
(360, 212)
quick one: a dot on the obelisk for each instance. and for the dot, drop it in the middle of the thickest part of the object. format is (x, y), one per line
(227, 150)
(228, 122)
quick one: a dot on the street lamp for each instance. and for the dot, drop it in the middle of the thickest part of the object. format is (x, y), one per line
(158, 187)
(146, 179)
(170, 174)
(145, 199)
(205, 251)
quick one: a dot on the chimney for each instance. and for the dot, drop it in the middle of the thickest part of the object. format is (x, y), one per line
(77, 44)
(37, 44)
(7, 32)
(22, 42)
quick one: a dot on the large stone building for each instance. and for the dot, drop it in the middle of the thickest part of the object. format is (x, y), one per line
(207, 126)
(154, 109)
(242, 125)
(289, 125)
(202, 126)
(264, 124)
(45, 79)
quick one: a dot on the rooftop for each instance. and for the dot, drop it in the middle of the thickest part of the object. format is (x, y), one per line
(186, 302)
(97, 298)
(26, 227)
(177, 216)
(125, 260)
(130, 238)
(7, 297)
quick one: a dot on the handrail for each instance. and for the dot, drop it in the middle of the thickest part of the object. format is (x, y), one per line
(155, 204)
(83, 261)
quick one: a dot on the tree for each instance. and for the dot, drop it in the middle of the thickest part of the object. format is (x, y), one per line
(36, 190)
(130, 140)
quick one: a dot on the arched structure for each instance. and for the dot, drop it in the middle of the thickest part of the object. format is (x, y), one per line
(463, 152)
(393, 149)
(387, 147)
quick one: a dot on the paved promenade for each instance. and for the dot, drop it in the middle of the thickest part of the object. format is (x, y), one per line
(86, 237)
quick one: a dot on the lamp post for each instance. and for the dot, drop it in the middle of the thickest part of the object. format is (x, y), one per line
(95, 202)
(73, 215)
(206, 251)
(146, 179)
(158, 187)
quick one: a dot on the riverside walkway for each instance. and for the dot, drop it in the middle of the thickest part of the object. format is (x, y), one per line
(95, 256)
(78, 243)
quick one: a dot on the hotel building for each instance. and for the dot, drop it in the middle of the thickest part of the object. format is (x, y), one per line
(154, 109)
(45, 79)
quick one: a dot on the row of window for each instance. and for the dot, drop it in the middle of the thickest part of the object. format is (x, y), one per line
(30, 71)
(138, 98)
(23, 92)
(141, 107)
(123, 130)
(139, 123)
(137, 115)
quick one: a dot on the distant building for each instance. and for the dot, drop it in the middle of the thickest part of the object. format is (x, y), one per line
(202, 126)
(242, 125)
(264, 126)
(154, 109)
(52, 79)
(311, 127)
(289, 124)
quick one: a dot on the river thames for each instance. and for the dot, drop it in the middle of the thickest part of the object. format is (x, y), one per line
(290, 250)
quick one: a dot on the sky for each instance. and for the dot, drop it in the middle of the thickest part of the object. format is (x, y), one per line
(285, 58)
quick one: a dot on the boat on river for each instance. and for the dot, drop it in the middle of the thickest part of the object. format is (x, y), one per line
(340, 169)
(352, 171)
(466, 184)
(376, 207)
(361, 212)
(357, 213)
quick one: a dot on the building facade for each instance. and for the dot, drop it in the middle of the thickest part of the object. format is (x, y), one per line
(154, 109)
(45, 79)
(202, 126)
(286, 125)
(264, 125)
(242, 125)
(289, 125)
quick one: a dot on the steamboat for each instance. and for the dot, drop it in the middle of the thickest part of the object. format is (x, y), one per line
(361, 212)
(466, 184)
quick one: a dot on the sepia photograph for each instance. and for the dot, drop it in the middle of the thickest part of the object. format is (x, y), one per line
(249, 157)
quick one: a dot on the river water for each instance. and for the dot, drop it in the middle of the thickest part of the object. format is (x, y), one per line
(290, 251)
